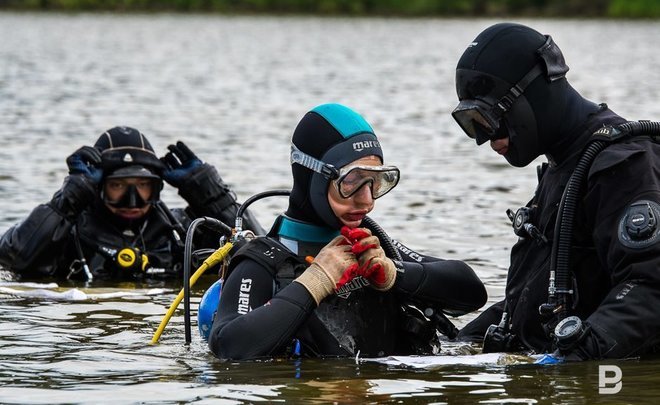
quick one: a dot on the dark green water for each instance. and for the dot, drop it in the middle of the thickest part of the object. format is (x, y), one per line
(98, 351)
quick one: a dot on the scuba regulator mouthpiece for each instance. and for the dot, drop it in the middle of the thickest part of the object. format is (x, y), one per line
(132, 259)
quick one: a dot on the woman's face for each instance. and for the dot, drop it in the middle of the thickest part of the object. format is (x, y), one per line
(352, 210)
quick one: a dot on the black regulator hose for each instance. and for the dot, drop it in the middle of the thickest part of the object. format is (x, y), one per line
(560, 258)
(634, 128)
(238, 226)
(385, 240)
(220, 227)
(213, 224)
(177, 229)
(259, 196)
(440, 320)
(560, 288)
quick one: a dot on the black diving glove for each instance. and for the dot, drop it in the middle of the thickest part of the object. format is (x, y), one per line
(80, 188)
(87, 162)
(180, 164)
(199, 183)
(202, 187)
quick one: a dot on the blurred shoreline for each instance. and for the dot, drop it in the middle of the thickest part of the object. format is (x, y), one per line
(618, 9)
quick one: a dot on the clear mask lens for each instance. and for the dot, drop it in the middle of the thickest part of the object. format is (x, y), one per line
(381, 180)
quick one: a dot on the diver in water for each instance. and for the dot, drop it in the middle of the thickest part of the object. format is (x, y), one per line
(584, 276)
(108, 222)
(353, 299)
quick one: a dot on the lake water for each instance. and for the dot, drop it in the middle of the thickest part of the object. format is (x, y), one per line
(234, 88)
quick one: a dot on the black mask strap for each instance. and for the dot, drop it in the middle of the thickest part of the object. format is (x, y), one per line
(555, 65)
(555, 69)
(504, 104)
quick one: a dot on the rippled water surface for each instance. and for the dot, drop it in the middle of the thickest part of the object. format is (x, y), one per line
(234, 88)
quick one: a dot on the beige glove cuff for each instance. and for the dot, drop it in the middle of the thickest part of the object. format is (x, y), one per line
(317, 281)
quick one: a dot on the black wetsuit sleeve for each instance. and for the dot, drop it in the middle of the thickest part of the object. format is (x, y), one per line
(35, 244)
(250, 321)
(450, 285)
(208, 195)
(475, 330)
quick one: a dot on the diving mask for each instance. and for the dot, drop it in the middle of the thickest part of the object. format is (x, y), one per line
(130, 196)
(480, 115)
(478, 120)
(481, 120)
(350, 179)
(381, 180)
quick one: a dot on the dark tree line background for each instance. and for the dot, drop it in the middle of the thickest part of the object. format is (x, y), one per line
(544, 8)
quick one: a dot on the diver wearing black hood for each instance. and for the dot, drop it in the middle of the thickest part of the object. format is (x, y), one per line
(108, 222)
(275, 303)
(513, 93)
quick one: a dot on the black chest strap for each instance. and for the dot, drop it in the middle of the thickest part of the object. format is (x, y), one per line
(283, 265)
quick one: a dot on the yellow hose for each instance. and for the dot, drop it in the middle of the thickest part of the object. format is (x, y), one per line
(215, 258)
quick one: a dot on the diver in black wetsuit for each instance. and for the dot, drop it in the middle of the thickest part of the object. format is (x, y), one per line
(275, 303)
(108, 222)
(513, 93)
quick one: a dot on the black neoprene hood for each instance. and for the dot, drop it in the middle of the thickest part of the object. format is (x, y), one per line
(336, 135)
(125, 151)
(490, 69)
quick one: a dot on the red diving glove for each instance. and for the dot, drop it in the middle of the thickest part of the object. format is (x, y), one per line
(373, 265)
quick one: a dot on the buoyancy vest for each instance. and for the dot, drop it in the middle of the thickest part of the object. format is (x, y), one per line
(357, 319)
(283, 265)
(101, 241)
(528, 278)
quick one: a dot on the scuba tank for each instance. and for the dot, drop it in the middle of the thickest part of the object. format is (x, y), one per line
(208, 305)
(236, 235)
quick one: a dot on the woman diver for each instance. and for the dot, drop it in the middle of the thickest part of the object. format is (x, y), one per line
(353, 299)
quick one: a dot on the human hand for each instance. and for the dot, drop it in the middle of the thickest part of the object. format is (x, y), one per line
(381, 273)
(373, 263)
(180, 163)
(80, 188)
(86, 161)
(327, 268)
